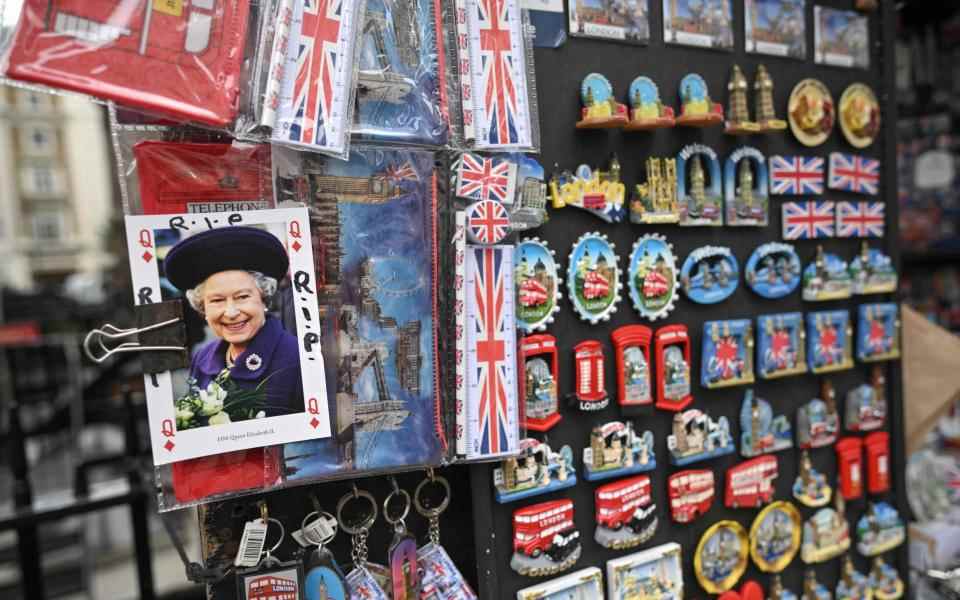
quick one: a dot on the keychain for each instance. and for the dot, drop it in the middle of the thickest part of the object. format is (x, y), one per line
(360, 582)
(260, 574)
(322, 575)
(439, 576)
(402, 554)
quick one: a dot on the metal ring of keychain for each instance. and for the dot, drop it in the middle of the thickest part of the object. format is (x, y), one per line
(360, 582)
(436, 568)
(402, 553)
(322, 576)
(263, 571)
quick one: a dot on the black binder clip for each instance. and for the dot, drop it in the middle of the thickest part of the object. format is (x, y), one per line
(161, 336)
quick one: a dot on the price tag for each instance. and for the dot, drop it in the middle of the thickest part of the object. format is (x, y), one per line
(320, 530)
(251, 544)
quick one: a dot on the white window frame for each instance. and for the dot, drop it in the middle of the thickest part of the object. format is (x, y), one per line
(45, 217)
(28, 145)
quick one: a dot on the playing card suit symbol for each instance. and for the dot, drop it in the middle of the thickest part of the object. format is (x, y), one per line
(146, 256)
(169, 446)
(296, 246)
(314, 422)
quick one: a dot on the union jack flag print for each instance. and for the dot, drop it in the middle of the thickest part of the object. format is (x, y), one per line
(860, 219)
(500, 91)
(313, 88)
(796, 175)
(487, 222)
(480, 178)
(491, 352)
(808, 220)
(404, 172)
(853, 173)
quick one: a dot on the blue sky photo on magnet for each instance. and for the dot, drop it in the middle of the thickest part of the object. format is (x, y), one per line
(693, 87)
(595, 89)
(727, 357)
(773, 270)
(710, 274)
(878, 332)
(829, 347)
(745, 188)
(780, 348)
(644, 89)
(826, 278)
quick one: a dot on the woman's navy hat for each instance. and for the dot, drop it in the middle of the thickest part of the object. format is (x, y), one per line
(199, 256)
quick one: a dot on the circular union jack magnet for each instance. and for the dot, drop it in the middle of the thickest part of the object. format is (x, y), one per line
(487, 222)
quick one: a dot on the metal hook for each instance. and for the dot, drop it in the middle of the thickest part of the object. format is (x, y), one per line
(110, 332)
(393, 482)
(356, 492)
(430, 474)
(264, 514)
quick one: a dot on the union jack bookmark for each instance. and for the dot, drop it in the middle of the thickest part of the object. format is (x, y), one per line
(854, 173)
(796, 175)
(808, 220)
(860, 219)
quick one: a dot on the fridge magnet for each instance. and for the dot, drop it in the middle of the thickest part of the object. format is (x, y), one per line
(721, 556)
(796, 175)
(828, 341)
(761, 431)
(853, 585)
(593, 278)
(652, 276)
(841, 38)
(626, 516)
(872, 272)
(826, 278)
(585, 583)
(811, 487)
(773, 270)
(541, 377)
(859, 115)
(775, 537)
(481, 178)
(545, 539)
(738, 114)
(878, 332)
(745, 188)
(647, 111)
(818, 421)
(632, 347)
(655, 201)
(600, 108)
(600, 193)
(652, 573)
(624, 22)
(698, 186)
(696, 107)
(877, 446)
(279, 580)
(589, 366)
(867, 403)
(691, 494)
(696, 437)
(861, 219)
(826, 534)
(879, 530)
(487, 222)
(710, 274)
(813, 589)
(537, 284)
(808, 220)
(850, 467)
(704, 24)
(672, 351)
(776, 28)
(853, 173)
(616, 450)
(727, 357)
(777, 591)
(528, 210)
(763, 93)
(536, 470)
(886, 581)
(781, 346)
(750, 484)
(810, 112)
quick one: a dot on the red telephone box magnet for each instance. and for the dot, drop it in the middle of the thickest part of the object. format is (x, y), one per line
(878, 462)
(632, 346)
(541, 405)
(672, 344)
(589, 370)
(850, 467)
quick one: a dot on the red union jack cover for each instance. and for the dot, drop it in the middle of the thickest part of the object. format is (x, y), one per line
(796, 175)
(808, 220)
(480, 178)
(854, 173)
(487, 222)
(491, 353)
(860, 219)
(177, 58)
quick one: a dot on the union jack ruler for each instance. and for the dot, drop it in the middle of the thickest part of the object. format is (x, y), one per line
(315, 102)
(492, 408)
(460, 340)
(493, 82)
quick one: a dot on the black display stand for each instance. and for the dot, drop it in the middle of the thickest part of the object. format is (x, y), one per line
(559, 74)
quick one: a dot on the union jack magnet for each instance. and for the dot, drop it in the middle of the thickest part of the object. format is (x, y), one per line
(808, 220)
(487, 222)
(481, 178)
(727, 357)
(860, 219)
(878, 332)
(854, 173)
(828, 341)
(795, 175)
(593, 278)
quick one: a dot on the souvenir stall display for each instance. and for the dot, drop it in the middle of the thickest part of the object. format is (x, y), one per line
(387, 237)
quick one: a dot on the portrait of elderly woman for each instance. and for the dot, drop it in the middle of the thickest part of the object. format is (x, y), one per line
(251, 368)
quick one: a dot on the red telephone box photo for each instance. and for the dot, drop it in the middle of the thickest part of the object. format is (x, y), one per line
(541, 371)
(632, 347)
(878, 462)
(589, 371)
(850, 467)
(672, 345)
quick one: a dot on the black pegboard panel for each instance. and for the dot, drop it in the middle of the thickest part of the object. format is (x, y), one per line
(559, 73)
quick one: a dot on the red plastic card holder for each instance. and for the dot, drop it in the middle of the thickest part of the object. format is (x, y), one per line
(245, 470)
